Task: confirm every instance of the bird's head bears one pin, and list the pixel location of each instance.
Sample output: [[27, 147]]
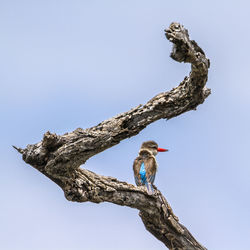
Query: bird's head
[[151, 147]]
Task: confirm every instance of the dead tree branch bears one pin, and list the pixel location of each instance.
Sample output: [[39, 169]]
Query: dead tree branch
[[59, 157]]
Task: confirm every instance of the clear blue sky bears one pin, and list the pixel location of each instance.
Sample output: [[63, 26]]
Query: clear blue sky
[[68, 64]]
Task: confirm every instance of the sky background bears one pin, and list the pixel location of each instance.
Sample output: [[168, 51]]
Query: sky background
[[69, 64]]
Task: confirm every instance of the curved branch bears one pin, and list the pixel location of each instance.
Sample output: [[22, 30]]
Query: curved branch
[[59, 157], [155, 211]]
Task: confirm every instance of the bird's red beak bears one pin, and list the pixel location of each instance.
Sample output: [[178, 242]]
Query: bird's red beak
[[162, 149]]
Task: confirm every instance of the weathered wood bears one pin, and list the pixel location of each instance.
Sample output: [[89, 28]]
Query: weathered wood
[[59, 157]]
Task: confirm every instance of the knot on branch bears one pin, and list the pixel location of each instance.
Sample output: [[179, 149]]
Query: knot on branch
[[51, 141]]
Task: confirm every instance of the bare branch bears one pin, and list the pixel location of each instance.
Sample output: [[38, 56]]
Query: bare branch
[[59, 157], [155, 211]]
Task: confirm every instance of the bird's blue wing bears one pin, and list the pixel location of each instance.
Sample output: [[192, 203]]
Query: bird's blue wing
[[150, 166], [142, 173]]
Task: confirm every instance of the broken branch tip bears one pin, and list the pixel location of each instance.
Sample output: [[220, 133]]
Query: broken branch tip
[[18, 149]]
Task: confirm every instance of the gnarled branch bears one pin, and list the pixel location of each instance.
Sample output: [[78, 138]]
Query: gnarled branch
[[59, 157]]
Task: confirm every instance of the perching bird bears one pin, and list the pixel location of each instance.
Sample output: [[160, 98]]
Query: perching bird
[[145, 165]]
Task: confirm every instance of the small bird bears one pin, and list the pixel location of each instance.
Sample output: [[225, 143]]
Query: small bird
[[145, 165]]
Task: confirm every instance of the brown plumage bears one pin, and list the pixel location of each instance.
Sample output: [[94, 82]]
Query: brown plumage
[[145, 165]]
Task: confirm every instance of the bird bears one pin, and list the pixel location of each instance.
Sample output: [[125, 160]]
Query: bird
[[145, 165]]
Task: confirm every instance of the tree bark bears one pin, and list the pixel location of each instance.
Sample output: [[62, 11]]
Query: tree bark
[[60, 157]]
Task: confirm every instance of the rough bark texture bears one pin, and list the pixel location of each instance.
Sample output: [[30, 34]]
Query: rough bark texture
[[59, 157]]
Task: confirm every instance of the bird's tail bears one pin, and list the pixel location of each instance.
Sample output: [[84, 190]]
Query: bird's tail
[[149, 187]]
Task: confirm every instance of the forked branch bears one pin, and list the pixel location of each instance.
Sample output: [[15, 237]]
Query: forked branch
[[60, 157]]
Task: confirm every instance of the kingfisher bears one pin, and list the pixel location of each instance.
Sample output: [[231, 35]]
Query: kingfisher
[[145, 165]]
